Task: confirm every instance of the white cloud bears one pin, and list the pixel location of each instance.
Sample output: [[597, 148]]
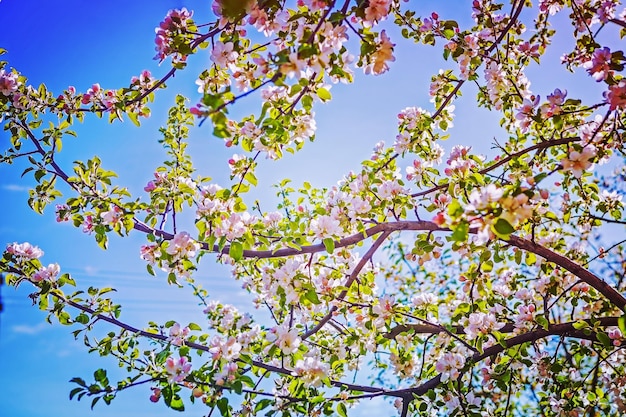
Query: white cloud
[[91, 270], [14, 187], [30, 330]]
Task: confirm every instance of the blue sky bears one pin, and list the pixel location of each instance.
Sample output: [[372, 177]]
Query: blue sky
[[74, 42]]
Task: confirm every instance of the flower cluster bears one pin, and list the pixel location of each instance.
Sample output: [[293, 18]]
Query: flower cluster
[[176, 22], [285, 338], [8, 82], [24, 251], [578, 162], [48, 273], [177, 334], [449, 366], [177, 369]]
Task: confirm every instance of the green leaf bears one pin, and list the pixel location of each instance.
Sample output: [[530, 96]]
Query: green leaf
[[580, 324], [503, 227], [542, 321], [251, 178], [133, 118], [222, 405], [621, 323], [604, 339], [100, 375], [177, 403], [75, 391], [66, 279], [311, 295], [329, 244], [236, 251], [460, 232], [324, 94], [94, 401], [264, 403], [82, 318]]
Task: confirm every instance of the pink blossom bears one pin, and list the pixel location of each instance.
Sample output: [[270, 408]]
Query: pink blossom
[[223, 54], [175, 22], [313, 5], [311, 370], [449, 366], [577, 162], [325, 226], [439, 219], [112, 216], [272, 219], [88, 224], [497, 83], [402, 143], [389, 189], [183, 246], [525, 316], [285, 338], [410, 117], [424, 299], [526, 112], [460, 161], [178, 369], [606, 11], [210, 190], [384, 53], [481, 323], [482, 198], [228, 349], [550, 6], [599, 64], [63, 213], [145, 79], [384, 308], [526, 49], [150, 253], [156, 394], [615, 334], [177, 334], [428, 24], [8, 82], [377, 10], [616, 96], [150, 186], [231, 227], [442, 200], [295, 67], [357, 206], [24, 251], [415, 172], [555, 101], [48, 273], [227, 374], [269, 26], [304, 127]]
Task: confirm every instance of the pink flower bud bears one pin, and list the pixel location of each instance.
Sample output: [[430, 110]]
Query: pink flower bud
[[439, 219], [149, 187]]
